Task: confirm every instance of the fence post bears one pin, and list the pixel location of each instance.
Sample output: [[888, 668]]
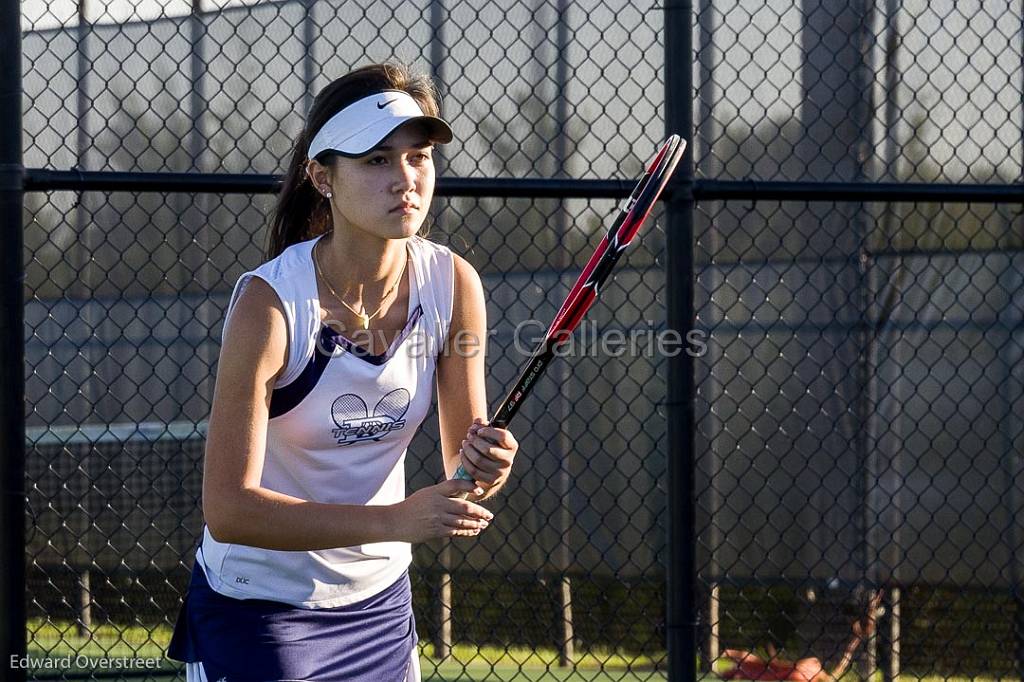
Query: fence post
[[1017, 462], [706, 132], [308, 66], [681, 609], [84, 624], [564, 623], [197, 73], [889, 629], [442, 636], [12, 350]]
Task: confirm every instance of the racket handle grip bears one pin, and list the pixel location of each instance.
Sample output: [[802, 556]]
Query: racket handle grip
[[462, 475]]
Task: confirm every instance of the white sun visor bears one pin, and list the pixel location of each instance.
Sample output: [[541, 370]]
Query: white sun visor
[[363, 125]]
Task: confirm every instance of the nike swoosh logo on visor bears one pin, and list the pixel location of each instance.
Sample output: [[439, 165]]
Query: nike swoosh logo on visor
[[381, 105]]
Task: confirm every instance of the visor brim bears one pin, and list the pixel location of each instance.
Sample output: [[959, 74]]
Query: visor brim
[[374, 136]]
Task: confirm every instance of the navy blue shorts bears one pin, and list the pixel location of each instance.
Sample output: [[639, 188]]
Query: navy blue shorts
[[254, 640]]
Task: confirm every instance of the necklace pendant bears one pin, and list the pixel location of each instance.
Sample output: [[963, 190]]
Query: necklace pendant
[[365, 319]]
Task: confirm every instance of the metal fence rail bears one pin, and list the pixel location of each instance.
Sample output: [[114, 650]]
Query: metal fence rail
[[845, 237]]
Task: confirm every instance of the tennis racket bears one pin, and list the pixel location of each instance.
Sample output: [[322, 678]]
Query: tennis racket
[[587, 287]]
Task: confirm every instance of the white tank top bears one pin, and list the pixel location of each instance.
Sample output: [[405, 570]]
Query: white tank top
[[340, 423]]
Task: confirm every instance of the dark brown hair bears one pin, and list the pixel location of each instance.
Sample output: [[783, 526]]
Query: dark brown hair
[[303, 213]]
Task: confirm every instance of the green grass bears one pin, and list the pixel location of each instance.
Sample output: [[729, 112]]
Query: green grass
[[54, 639], [468, 663]]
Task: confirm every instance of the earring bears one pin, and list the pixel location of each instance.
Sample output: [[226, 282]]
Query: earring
[[327, 193]]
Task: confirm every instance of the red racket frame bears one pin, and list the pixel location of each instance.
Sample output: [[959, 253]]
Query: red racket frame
[[587, 287]]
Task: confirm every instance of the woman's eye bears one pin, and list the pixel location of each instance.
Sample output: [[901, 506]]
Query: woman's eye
[[376, 160]]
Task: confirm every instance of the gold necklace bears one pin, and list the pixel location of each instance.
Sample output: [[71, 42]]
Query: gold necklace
[[364, 318]]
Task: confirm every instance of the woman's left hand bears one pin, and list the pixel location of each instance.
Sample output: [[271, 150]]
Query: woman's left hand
[[487, 454]]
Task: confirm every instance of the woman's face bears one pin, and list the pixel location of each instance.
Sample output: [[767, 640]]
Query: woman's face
[[387, 192]]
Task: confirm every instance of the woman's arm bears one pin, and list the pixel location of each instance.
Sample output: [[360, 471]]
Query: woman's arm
[[485, 452], [237, 509]]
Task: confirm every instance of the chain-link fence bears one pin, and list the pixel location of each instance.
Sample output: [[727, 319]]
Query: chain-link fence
[[858, 379], [859, 414]]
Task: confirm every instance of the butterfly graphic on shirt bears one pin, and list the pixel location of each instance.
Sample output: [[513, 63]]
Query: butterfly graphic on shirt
[[355, 423]]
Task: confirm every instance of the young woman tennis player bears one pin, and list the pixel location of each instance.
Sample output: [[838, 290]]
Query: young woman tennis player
[[330, 353]]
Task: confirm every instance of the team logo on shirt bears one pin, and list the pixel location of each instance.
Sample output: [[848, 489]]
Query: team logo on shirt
[[355, 423]]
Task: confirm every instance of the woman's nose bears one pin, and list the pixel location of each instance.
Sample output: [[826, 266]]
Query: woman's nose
[[406, 177]]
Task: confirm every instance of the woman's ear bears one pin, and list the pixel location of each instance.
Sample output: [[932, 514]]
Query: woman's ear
[[319, 175]]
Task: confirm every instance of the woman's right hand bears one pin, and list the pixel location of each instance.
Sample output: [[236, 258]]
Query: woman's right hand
[[436, 512]]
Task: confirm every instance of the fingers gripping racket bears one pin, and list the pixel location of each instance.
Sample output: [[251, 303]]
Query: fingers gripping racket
[[587, 288]]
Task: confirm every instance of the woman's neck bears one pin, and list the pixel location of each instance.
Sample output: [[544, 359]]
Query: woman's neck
[[356, 262]]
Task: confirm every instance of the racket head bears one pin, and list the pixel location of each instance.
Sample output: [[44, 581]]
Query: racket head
[[632, 214], [583, 294], [650, 187], [649, 184]]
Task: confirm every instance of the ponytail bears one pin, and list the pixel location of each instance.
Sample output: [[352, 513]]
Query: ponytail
[[302, 212]]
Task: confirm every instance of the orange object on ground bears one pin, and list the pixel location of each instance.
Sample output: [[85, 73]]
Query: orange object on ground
[[750, 666]]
